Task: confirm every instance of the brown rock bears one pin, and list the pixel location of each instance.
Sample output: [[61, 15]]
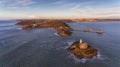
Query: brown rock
[[64, 33], [100, 31], [86, 51], [62, 28]]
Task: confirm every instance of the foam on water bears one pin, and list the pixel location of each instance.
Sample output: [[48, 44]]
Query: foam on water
[[77, 60], [56, 34]]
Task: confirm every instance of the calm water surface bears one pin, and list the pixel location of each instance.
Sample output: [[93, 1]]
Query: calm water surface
[[42, 48]]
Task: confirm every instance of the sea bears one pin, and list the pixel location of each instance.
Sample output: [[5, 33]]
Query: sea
[[43, 48]]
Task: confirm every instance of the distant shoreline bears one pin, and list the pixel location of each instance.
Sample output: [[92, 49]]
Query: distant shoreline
[[74, 20], [86, 20]]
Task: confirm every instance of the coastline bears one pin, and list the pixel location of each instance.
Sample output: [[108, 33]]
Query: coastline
[[87, 20]]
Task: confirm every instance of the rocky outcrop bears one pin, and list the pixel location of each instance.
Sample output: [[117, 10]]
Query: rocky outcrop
[[62, 28], [100, 31], [82, 50], [64, 33]]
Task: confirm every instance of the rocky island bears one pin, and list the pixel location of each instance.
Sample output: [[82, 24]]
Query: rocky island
[[62, 28], [82, 50], [79, 49]]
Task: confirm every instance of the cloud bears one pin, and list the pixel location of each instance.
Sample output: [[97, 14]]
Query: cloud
[[78, 6], [32, 16], [76, 9], [62, 8], [24, 2], [72, 5], [58, 2], [88, 9], [16, 3], [102, 12], [107, 12]]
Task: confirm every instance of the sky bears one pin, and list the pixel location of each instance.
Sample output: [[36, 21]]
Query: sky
[[17, 9]]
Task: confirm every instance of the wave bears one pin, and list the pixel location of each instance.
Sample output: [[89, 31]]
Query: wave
[[77, 60], [9, 27], [6, 24]]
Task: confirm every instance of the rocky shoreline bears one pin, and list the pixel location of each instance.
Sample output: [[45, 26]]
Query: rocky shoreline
[[79, 49], [82, 50], [62, 28], [59, 25]]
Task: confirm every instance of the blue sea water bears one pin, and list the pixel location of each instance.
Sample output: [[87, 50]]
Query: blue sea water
[[42, 48]]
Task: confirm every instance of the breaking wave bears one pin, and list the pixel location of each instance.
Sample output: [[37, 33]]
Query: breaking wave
[[77, 60]]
